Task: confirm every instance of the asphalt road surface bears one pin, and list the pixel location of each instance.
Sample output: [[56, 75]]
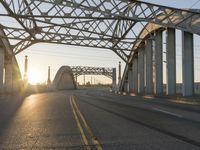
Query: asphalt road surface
[[97, 119]]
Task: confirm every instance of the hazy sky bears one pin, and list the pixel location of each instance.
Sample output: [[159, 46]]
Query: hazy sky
[[43, 55]]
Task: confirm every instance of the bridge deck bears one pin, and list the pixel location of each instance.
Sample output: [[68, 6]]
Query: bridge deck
[[82, 120]]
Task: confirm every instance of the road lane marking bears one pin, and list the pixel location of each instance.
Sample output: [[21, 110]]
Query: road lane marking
[[83, 136], [167, 112], [94, 139]]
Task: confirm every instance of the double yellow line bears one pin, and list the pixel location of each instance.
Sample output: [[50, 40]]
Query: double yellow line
[[82, 124]]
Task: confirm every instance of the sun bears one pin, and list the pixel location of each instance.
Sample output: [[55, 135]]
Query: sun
[[34, 76]]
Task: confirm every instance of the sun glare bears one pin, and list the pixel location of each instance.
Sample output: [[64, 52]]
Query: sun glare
[[34, 76]]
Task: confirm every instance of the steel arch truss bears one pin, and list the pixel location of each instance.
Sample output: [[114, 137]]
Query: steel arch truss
[[84, 70], [108, 24]]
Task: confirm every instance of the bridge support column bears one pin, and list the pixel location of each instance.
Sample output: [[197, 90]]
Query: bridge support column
[[130, 80], [135, 75], [171, 62], [141, 70], [8, 75], [188, 63], [114, 81], [2, 56], [158, 88], [149, 68], [125, 86]]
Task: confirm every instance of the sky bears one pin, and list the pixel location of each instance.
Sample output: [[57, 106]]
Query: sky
[[42, 55]]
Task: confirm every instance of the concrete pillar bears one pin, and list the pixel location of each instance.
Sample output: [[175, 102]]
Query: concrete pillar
[[126, 86], [130, 80], [17, 83], [171, 62], [158, 87], [2, 56], [114, 81], [141, 70], [119, 76], [135, 75], [8, 75], [49, 76], [26, 70], [188, 63], [149, 67]]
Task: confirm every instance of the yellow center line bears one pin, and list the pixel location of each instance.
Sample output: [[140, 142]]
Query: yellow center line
[[83, 136], [94, 140]]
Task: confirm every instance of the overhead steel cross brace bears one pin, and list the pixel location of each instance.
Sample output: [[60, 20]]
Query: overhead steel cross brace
[[85, 70], [107, 24]]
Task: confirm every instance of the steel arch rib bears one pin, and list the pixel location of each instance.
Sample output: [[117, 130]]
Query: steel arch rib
[[86, 70], [93, 23]]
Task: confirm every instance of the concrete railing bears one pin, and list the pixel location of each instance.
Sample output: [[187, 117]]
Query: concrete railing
[[179, 88]]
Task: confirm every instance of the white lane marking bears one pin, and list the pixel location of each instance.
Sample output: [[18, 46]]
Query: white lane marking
[[167, 112]]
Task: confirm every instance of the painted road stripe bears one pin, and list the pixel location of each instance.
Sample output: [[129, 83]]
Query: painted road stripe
[[83, 136], [94, 140], [167, 112]]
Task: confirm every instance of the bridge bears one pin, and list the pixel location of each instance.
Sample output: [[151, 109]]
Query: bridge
[[66, 76], [128, 28], [145, 118], [85, 70], [64, 79]]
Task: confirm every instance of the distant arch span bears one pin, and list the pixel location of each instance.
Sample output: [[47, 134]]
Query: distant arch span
[[64, 79]]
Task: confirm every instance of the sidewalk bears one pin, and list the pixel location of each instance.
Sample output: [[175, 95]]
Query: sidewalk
[[181, 99], [192, 100]]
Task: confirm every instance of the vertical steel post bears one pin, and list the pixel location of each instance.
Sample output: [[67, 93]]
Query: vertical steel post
[[26, 70]]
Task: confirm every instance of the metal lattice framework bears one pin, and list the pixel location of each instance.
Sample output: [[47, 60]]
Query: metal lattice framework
[[108, 24], [84, 70]]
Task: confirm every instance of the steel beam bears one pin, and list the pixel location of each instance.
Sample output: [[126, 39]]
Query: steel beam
[[80, 23], [85, 70]]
